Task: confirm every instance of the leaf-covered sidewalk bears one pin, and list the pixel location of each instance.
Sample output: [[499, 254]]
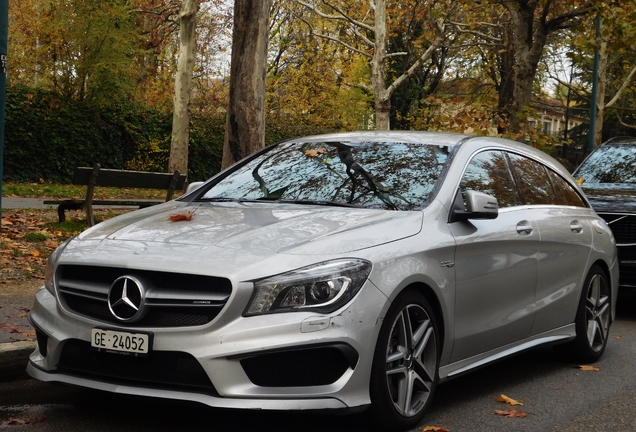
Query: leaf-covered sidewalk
[[27, 238]]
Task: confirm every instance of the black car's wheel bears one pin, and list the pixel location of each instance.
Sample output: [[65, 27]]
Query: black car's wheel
[[405, 363], [593, 318]]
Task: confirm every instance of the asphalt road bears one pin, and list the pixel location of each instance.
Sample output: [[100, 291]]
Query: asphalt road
[[557, 396]]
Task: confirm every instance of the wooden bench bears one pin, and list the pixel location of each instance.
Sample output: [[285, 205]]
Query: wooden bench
[[96, 176]]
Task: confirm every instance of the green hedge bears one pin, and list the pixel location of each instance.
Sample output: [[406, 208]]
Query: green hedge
[[46, 137]]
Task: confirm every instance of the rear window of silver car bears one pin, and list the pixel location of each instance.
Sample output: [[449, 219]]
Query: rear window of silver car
[[395, 176]]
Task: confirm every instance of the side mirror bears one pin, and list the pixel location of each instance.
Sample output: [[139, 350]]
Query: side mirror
[[471, 204], [193, 186]]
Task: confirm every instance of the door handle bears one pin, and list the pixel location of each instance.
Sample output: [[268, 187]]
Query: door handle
[[576, 227], [524, 228]]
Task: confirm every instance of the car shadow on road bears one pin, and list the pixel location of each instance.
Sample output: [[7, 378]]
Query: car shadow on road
[[150, 414], [626, 304]]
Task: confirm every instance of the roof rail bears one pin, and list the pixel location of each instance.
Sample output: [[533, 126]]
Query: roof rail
[[619, 138]]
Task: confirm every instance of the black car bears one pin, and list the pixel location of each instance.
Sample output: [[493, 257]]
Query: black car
[[608, 177]]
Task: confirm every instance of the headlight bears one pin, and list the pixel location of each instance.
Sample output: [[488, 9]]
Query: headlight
[[322, 287], [50, 266]]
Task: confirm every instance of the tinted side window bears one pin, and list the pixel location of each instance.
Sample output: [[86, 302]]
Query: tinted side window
[[533, 181], [566, 194], [488, 172]]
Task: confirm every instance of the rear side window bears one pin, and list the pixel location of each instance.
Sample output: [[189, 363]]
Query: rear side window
[[566, 194], [533, 181], [488, 172]]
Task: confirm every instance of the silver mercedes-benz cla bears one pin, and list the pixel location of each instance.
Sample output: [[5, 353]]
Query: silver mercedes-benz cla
[[339, 271]]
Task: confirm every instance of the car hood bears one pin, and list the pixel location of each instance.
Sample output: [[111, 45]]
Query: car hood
[[611, 197], [223, 236]]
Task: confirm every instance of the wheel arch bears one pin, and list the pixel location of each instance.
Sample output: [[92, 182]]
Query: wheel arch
[[612, 278], [603, 265]]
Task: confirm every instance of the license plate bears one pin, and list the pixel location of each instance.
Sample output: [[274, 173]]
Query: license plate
[[124, 342]]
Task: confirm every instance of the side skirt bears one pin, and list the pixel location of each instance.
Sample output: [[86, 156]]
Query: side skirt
[[561, 334]]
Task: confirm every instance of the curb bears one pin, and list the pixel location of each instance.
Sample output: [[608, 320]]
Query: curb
[[14, 357]]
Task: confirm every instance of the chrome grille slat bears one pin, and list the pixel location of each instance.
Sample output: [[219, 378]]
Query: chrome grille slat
[[623, 227], [91, 287], [86, 294]]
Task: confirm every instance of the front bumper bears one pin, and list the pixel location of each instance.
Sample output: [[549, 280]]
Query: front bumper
[[218, 364]]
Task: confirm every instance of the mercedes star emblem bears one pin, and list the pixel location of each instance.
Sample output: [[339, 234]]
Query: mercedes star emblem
[[126, 299]]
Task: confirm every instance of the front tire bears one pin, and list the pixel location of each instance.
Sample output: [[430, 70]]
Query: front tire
[[593, 318], [405, 364]]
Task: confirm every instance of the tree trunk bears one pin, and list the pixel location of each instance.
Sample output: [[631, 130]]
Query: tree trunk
[[529, 40], [245, 124], [505, 68], [183, 82], [378, 70], [600, 94]]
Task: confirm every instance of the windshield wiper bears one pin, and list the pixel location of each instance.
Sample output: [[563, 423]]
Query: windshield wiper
[[319, 202], [284, 201], [228, 199]]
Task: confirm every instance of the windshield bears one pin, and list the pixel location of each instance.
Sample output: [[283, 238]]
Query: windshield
[[396, 176], [610, 164]]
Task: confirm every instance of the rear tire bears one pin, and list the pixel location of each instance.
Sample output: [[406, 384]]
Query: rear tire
[[405, 363], [593, 319]]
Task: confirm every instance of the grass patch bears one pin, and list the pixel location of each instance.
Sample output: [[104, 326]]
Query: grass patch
[[35, 237], [58, 191], [69, 227], [73, 226]]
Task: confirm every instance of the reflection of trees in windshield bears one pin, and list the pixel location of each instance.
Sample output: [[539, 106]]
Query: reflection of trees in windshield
[[374, 175], [610, 164]]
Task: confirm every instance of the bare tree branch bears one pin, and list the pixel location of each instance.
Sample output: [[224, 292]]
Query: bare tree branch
[[342, 17], [415, 66], [620, 91], [334, 39], [620, 119], [459, 28]]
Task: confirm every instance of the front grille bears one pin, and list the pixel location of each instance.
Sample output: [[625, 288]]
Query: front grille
[[310, 366], [172, 299], [160, 369], [623, 227], [627, 265]]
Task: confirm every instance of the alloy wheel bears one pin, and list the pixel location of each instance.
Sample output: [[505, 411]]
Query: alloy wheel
[[597, 312], [411, 360]]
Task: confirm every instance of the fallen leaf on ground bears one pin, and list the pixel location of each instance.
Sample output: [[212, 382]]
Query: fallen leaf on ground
[[617, 337], [435, 429], [589, 368], [505, 399], [512, 413], [11, 328], [22, 315], [19, 421], [26, 339]]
